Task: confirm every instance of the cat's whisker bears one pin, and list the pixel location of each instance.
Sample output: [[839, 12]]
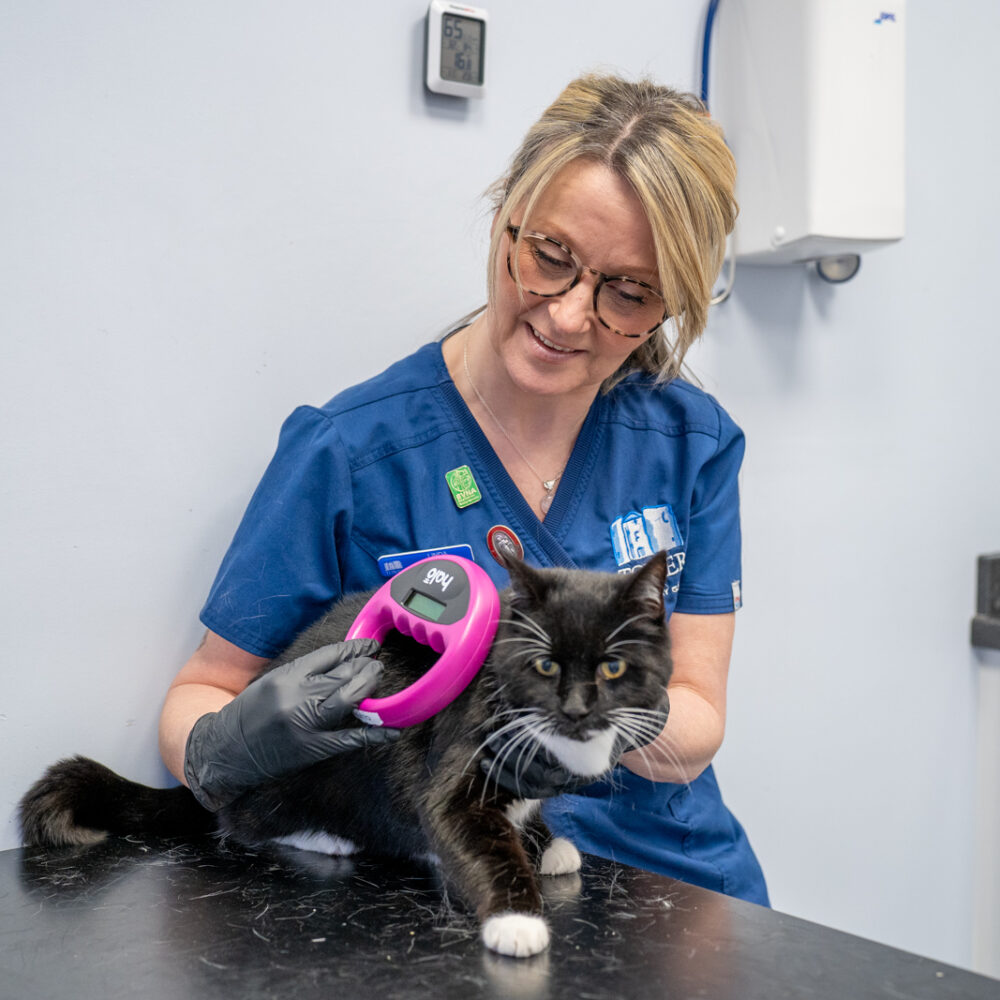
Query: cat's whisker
[[660, 746], [499, 714], [528, 623], [638, 729], [496, 690], [533, 646], [640, 739], [528, 732], [521, 742], [675, 763], [645, 727], [472, 769], [653, 723], [641, 751], [500, 708], [500, 759], [526, 718], [645, 716], [638, 733], [637, 710], [531, 748], [475, 755], [543, 728], [611, 777], [667, 748], [509, 709], [625, 624], [628, 642]]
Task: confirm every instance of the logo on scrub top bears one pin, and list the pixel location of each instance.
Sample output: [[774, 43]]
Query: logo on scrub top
[[636, 536]]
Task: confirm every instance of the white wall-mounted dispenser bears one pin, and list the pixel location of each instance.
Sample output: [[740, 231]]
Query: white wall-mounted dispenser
[[810, 95]]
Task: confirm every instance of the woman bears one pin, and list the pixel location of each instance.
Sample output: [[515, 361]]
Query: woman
[[554, 420]]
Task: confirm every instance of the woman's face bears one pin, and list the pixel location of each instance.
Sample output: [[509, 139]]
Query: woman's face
[[558, 345]]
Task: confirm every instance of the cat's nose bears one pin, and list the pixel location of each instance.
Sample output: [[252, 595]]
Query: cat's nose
[[576, 705]]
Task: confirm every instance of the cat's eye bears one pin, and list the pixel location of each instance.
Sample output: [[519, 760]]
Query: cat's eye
[[545, 666], [611, 670]]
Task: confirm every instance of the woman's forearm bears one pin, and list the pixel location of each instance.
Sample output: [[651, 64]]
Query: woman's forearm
[[184, 705], [216, 673], [686, 746]]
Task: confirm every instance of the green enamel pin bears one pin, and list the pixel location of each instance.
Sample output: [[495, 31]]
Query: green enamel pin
[[464, 490]]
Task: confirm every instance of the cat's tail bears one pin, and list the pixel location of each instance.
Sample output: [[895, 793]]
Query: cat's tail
[[78, 801]]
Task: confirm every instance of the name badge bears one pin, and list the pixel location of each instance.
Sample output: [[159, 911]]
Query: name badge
[[390, 565]]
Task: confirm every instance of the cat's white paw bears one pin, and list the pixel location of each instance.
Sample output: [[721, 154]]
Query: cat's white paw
[[517, 934], [560, 858], [320, 843]]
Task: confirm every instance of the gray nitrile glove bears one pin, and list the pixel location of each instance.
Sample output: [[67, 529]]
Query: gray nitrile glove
[[542, 778], [284, 721]]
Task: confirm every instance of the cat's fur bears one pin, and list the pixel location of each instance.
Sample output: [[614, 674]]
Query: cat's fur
[[426, 795]]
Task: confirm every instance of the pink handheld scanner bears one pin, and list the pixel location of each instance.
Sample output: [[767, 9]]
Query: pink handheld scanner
[[445, 602]]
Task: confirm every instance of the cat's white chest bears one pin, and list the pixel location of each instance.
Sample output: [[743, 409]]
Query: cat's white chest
[[588, 758]]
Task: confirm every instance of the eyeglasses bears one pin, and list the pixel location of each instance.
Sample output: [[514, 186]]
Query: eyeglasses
[[546, 267]]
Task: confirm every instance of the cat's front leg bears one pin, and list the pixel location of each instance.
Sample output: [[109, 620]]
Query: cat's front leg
[[482, 855], [551, 855]]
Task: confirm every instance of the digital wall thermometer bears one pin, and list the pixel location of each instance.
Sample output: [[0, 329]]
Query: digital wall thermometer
[[447, 603], [456, 49]]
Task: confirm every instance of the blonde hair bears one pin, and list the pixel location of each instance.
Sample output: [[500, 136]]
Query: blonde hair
[[677, 162]]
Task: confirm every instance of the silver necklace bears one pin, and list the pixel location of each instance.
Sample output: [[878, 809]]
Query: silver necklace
[[548, 485]]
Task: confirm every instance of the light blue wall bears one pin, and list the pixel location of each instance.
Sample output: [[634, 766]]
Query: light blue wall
[[196, 200], [872, 481]]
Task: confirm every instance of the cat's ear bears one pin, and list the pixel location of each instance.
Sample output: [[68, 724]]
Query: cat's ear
[[645, 585], [527, 583]]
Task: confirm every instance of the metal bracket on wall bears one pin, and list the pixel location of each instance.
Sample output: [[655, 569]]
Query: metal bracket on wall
[[986, 623]]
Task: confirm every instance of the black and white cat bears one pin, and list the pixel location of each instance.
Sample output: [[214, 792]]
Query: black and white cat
[[579, 666]]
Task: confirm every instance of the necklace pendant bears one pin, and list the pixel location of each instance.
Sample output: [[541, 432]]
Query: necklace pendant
[[547, 485], [546, 503]]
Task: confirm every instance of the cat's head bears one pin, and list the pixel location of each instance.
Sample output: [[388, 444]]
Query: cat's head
[[582, 660]]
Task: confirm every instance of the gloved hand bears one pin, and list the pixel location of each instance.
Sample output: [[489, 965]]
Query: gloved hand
[[544, 777], [284, 721]]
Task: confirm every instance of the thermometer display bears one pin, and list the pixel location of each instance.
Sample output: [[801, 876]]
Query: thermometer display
[[445, 602], [456, 49], [462, 49]]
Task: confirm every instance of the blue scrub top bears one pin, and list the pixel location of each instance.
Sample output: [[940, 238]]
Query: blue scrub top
[[363, 477]]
